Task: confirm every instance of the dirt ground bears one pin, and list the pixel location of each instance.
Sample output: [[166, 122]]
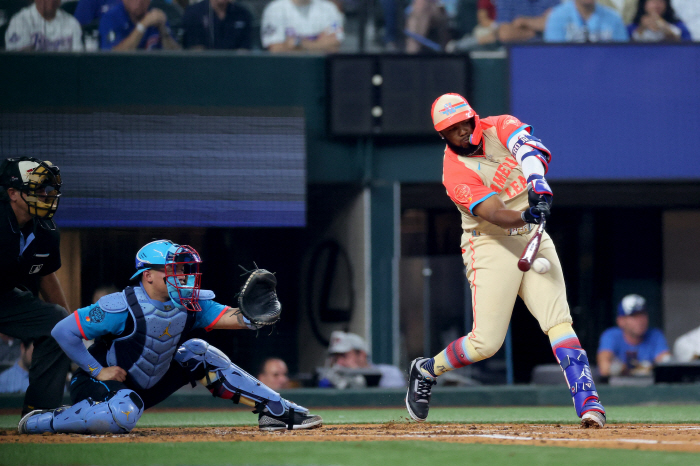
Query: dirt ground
[[628, 436]]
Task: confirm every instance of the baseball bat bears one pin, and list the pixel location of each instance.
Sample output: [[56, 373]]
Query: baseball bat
[[531, 249]]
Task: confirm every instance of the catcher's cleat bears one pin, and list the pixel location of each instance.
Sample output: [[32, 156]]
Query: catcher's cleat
[[593, 416], [37, 427], [290, 420], [420, 386]]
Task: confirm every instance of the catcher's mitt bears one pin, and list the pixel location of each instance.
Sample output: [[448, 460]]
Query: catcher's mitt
[[257, 299]]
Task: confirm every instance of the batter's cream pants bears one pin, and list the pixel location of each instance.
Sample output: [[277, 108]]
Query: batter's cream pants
[[495, 280]]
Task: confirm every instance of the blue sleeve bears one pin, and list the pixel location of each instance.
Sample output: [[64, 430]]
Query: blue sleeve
[[555, 27], [70, 338], [620, 31], [110, 34], [94, 322], [685, 33], [608, 340], [86, 11], [660, 344], [209, 315]]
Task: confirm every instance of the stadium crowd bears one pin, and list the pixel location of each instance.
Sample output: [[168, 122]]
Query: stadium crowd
[[413, 26]]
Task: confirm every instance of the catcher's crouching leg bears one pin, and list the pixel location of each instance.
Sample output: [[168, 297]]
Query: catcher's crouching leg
[[117, 415], [226, 380]]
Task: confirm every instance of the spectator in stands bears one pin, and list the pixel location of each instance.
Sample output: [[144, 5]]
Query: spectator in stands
[[302, 25], [427, 26], [9, 350], [688, 11], [521, 21], [584, 21], [631, 348], [656, 21], [274, 374], [217, 24], [16, 378], [625, 8], [44, 27], [132, 25], [687, 346], [483, 34], [91, 11], [349, 351]]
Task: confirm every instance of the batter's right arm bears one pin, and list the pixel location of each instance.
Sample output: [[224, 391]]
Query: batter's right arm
[[493, 210]]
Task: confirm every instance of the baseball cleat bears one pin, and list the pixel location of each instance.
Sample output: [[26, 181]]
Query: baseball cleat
[[290, 420], [419, 389], [594, 419], [37, 425]]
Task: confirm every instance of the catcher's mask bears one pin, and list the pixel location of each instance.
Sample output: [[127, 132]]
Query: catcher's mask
[[39, 183], [182, 276], [449, 109]]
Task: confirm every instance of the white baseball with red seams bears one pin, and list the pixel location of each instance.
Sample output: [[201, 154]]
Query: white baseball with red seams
[[541, 265]]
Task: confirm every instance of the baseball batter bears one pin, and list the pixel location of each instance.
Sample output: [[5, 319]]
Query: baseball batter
[[141, 353], [493, 170]]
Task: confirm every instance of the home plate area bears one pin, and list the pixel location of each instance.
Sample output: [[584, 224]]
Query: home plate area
[[668, 437]]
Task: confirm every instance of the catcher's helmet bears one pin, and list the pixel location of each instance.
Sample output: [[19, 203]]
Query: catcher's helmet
[[449, 109], [38, 181], [181, 267]]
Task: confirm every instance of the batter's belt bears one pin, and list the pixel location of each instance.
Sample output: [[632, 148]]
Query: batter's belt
[[527, 228]]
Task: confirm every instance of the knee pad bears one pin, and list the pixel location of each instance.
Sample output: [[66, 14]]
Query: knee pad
[[118, 415], [577, 372], [227, 380]]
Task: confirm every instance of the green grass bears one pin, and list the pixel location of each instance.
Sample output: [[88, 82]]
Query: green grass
[[659, 414], [330, 453]]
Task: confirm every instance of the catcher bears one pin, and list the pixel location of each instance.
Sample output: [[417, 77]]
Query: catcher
[[141, 353]]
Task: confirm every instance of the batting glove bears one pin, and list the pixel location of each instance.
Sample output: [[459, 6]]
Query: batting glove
[[538, 190], [536, 214]]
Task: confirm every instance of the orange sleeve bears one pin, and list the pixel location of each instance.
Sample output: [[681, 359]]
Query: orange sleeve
[[464, 186], [506, 125]]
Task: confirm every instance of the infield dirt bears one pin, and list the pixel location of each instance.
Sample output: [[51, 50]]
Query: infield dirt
[[666, 437]]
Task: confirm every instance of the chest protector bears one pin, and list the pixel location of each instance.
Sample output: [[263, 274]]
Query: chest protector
[[147, 350]]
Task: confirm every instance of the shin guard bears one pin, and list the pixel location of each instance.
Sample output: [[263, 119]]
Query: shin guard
[[228, 381], [118, 415], [577, 372]]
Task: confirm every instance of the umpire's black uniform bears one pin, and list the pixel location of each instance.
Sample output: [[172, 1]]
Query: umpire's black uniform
[[26, 255]]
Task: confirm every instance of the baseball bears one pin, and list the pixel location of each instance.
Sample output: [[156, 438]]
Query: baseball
[[541, 265]]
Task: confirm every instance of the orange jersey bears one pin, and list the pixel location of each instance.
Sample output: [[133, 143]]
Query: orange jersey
[[471, 180]]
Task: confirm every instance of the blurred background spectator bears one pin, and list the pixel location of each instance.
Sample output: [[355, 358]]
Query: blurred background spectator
[[656, 21], [584, 21], [350, 366], [9, 351], [688, 11], [217, 24], [44, 27], [521, 21], [484, 32], [273, 373], [90, 11], [132, 25], [626, 8], [687, 346], [302, 25], [631, 348], [16, 378], [427, 26]]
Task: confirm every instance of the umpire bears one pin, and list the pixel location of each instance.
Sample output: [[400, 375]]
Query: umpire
[[29, 258]]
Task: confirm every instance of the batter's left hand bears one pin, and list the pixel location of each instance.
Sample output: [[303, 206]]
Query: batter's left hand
[[538, 190], [536, 214]]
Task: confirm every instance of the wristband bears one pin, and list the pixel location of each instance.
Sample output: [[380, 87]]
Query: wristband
[[140, 27]]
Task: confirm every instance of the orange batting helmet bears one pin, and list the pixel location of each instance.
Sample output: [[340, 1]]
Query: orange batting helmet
[[449, 109]]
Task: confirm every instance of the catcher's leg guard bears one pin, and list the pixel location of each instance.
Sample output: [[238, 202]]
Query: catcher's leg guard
[[577, 372], [228, 381], [118, 415]]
